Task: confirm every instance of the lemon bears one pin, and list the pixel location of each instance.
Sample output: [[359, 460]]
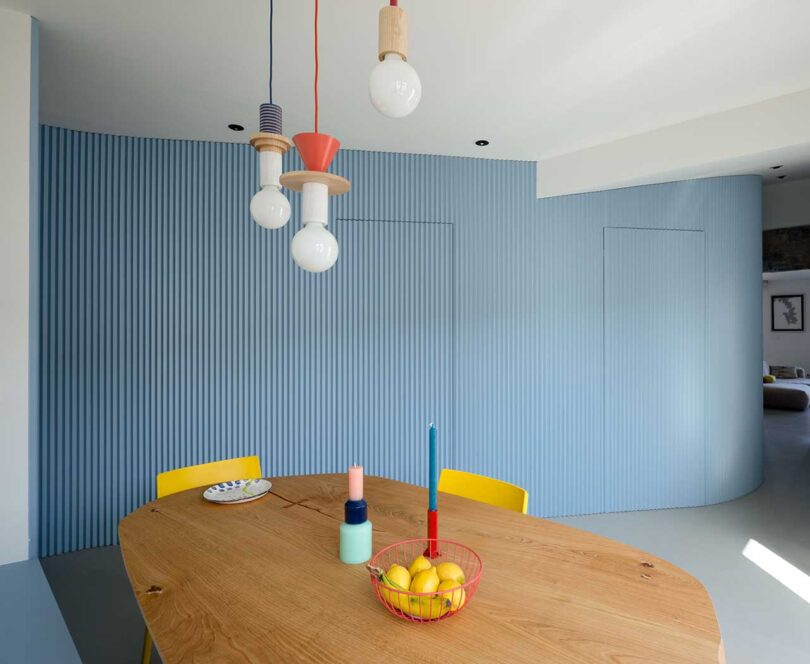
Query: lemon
[[418, 565], [425, 581], [450, 572], [399, 575], [455, 595]]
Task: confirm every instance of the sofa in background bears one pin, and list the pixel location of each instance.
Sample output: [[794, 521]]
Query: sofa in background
[[789, 391]]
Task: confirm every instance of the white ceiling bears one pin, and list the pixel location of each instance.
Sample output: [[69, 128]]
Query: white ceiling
[[536, 77]]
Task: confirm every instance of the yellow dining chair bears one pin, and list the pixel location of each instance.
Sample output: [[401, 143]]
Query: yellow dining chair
[[204, 474], [484, 489]]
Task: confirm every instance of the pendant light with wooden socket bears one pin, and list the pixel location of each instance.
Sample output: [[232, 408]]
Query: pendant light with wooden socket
[[314, 248], [394, 86]]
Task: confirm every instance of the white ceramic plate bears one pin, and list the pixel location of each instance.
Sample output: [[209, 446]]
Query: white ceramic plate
[[237, 491]]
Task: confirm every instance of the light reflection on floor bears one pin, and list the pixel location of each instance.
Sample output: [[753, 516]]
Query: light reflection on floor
[[780, 569]]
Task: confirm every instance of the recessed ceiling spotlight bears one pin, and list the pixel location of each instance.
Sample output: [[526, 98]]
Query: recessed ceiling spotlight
[[775, 167], [236, 127], [481, 142], [781, 177]]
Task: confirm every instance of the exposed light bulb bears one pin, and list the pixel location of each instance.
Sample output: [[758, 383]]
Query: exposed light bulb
[[314, 248], [394, 87], [269, 207]]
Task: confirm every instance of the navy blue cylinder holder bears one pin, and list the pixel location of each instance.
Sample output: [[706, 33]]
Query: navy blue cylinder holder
[[270, 118], [356, 511]]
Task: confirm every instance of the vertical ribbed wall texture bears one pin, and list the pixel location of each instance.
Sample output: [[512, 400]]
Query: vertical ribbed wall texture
[[176, 331], [654, 368]]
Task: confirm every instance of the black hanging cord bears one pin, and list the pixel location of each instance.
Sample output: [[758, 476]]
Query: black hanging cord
[[270, 83], [270, 113]]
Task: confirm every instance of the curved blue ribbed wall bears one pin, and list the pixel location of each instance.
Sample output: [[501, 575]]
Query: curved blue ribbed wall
[[175, 331]]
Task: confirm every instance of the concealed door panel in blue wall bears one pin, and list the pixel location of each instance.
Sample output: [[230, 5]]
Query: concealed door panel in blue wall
[[530, 353], [654, 363]]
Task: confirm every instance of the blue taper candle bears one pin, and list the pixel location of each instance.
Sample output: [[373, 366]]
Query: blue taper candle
[[434, 470]]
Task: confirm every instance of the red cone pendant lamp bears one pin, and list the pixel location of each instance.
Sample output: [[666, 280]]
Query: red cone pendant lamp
[[317, 150], [314, 248]]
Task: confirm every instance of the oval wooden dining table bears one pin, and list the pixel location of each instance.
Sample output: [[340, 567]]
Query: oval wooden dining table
[[261, 582]]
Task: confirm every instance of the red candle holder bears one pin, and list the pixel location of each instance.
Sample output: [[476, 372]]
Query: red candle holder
[[432, 551]]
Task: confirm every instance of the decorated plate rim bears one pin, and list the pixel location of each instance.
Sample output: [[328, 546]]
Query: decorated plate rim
[[214, 493]]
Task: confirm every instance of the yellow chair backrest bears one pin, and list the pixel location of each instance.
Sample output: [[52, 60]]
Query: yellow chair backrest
[[243, 468], [484, 489]]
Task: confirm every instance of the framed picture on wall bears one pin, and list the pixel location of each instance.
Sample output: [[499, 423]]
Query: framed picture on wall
[[787, 313]]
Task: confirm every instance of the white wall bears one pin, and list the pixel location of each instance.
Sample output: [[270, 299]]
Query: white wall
[[786, 204], [18, 106], [792, 348]]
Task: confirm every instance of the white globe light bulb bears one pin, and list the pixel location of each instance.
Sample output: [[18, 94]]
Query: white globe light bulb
[[269, 207], [394, 87], [314, 248]]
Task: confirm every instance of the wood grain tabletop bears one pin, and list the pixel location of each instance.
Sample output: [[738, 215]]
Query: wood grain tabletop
[[261, 582]]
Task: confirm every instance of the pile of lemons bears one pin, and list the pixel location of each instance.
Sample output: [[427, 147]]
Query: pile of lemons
[[443, 581]]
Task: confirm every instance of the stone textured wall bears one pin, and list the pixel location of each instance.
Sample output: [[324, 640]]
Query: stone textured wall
[[786, 249]]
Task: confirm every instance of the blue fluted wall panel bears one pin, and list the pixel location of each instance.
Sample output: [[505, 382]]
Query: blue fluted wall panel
[[655, 322], [175, 331], [733, 273]]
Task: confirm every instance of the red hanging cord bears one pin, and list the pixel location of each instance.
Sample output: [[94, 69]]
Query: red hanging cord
[[394, 3], [316, 66]]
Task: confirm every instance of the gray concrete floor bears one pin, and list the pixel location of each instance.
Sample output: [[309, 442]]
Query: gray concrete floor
[[93, 592], [761, 620]]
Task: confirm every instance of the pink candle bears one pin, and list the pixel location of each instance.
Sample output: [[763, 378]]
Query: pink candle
[[355, 482]]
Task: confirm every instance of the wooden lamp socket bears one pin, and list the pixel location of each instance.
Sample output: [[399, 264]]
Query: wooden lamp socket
[[393, 32], [295, 180], [263, 142]]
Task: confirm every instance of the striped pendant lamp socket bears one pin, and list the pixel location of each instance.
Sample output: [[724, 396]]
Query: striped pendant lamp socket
[[270, 118]]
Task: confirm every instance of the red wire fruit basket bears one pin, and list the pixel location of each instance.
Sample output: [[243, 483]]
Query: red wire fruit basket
[[432, 606]]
